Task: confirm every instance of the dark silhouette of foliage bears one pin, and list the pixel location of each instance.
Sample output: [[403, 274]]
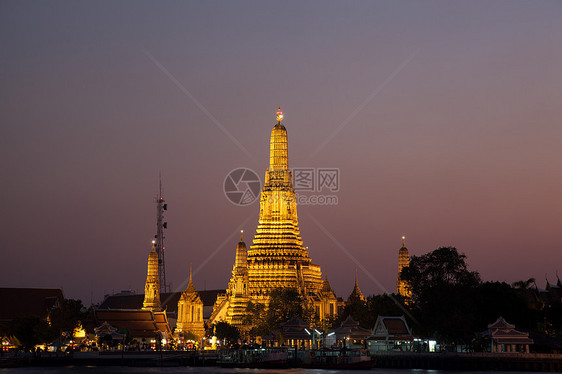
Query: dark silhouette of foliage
[[255, 318], [358, 310], [224, 330], [386, 305], [67, 317], [366, 312], [552, 319], [443, 294], [30, 331], [496, 299], [284, 304], [445, 267]]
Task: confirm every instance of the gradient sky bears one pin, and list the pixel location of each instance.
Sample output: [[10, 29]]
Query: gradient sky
[[444, 119]]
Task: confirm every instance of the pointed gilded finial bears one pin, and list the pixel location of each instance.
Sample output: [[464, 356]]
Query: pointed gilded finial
[[279, 115], [190, 272], [403, 241], [356, 277], [241, 235], [154, 245]]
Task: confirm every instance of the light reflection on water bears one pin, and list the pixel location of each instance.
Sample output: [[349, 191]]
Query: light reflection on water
[[217, 370]]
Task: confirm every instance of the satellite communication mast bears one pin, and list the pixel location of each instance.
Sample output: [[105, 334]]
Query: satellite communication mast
[[161, 206]]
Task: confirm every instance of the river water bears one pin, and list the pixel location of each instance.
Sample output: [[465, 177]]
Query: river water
[[217, 370]]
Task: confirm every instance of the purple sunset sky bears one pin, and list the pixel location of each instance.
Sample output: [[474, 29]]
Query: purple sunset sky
[[444, 119]]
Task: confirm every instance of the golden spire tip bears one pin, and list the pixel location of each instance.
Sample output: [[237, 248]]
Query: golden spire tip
[[279, 115]]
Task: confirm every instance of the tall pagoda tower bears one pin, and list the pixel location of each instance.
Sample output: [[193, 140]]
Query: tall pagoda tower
[[277, 257], [402, 287], [152, 286]]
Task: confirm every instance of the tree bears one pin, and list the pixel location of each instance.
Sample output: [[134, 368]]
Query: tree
[[224, 330], [67, 317], [522, 284], [255, 319], [366, 312], [499, 299], [386, 305], [443, 294], [284, 304], [358, 310], [30, 331], [444, 267]]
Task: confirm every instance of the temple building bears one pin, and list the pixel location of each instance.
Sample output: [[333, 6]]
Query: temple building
[[190, 313], [277, 257], [506, 338], [391, 333], [402, 287], [326, 303], [152, 286]]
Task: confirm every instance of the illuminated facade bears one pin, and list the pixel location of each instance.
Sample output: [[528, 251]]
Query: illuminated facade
[[326, 304], [402, 287], [190, 312], [152, 286], [277, 257]]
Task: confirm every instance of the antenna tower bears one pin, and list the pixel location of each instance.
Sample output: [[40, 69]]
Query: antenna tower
[[161, 206]]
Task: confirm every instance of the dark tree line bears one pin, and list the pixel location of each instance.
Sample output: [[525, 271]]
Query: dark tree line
[[284, 304], [62, 320], [451, 303]]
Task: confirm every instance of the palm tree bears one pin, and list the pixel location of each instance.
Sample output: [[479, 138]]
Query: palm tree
[[523, 285]]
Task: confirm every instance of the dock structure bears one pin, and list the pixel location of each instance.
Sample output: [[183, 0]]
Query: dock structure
[[470, 361]]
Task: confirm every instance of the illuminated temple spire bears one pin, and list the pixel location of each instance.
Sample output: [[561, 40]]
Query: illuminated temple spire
[[241, 260], [402, 287], [190, 287], [152, 287], [190, 311], [277, 257], [356, 294]]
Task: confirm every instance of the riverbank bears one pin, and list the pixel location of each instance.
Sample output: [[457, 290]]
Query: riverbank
[[113, 358], [395, 360], [470, 361]]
